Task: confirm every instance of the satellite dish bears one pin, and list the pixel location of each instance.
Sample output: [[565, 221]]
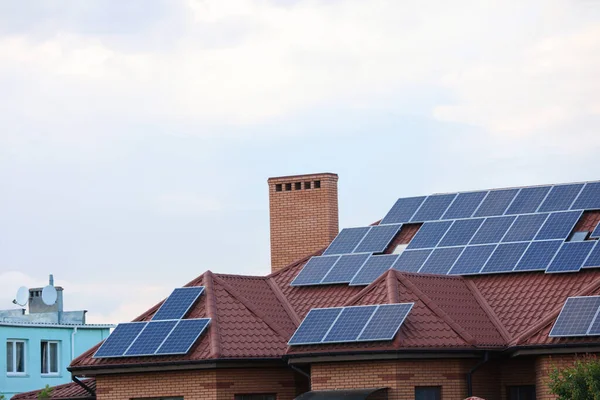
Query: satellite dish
[[22, 296], [49, 295]]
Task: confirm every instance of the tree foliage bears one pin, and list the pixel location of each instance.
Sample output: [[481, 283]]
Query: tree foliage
[[45, 393], [579, 382]]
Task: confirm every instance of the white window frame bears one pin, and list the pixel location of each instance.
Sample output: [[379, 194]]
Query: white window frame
[[48, 363], [14, 357]]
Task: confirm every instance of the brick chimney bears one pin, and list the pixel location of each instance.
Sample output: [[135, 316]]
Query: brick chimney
[[303, 214]]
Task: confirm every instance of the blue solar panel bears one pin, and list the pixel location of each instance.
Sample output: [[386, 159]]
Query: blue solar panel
[[346, 241], [593, 259], [178, 303], [595, 326], [505, 257], [441, 260], [528, 200], [558, 225], [150, 339], [386, 322], [344, 270], [570, 257], [315, 270], [576, 316], [183, 336], [496, 202], [120, 339], [461, 232], [433, 207], [538, 255], [560, 197], [596, 232], [403, 210], [429, 235], [378, 239], [492, 230], [373, 268], [411, 260], [472, 260], [315, 325], [589, 198], [525, 228], [349, 324], [464, 205]]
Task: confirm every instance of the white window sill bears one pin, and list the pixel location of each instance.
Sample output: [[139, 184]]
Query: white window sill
[[56, 375], [17, 375]]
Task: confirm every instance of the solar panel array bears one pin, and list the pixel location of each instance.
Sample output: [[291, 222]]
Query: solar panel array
[[351, 324], [167, 333], [578, 317]]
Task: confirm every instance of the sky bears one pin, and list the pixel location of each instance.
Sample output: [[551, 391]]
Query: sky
[[136, 138]]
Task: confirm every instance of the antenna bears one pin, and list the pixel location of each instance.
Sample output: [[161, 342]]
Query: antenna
[[22, 296]]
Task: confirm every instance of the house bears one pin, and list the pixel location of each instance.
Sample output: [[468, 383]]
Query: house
[[37, 347], [448, 296]]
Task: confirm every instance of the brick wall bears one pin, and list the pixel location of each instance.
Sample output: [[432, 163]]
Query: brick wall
[[545, 364], [221, 384], [303, 216]]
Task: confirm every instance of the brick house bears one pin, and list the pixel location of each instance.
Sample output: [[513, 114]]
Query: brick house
[[480, 333]]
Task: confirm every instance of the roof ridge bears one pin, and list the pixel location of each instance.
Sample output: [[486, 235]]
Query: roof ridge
[[553, 314], [365, 290], [392, 287], [248, 304], [284, 301], [211, 312], [466, 336], [488, 310]]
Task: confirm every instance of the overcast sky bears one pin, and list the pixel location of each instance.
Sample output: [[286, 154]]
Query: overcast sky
[[136, 137]]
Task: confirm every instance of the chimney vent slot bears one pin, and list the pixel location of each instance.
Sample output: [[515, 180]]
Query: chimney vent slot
[[298, 186], [288, 187], [278, 187], [307, 185], [317, 184]]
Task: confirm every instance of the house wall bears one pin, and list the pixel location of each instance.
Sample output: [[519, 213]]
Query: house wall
[[546, 364], [33, 379]]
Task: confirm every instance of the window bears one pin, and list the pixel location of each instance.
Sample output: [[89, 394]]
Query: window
[[259, 396], [49, 358], [428, 393], [15, 357], [521, 392]]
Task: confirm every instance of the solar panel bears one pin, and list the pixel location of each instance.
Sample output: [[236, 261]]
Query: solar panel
[[178, 303], [505, 257], [472, 260], [461, 232], [120, 339], [560, 197], [183, 336], [593, 259], [386, 322], [373, 268], [525, 228], [441, 260], [464, 205], [378, 239], [429, 235], [558, 225], [315, 270], [346, 241], [402, 210], [570, 257], [589, 198], [315, 326], [576, 316], [528, 200], [433, 207], [538, 255], [496, 202], [411, 260], [344, 270], [150, 339], [596, 232], [594, 327], [492, 230], [349, 324]]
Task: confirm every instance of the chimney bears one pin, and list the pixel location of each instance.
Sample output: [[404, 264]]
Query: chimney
[[304, 216]]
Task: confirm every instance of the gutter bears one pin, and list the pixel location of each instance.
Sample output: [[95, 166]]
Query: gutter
[[486, 357], [86, 388], [73, 343]]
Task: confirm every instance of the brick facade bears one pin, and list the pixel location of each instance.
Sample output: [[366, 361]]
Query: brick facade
[[303, 215]]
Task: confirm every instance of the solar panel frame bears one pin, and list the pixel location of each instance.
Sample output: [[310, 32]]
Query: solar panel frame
[[192, 328], [505, 257], [525, 227], [347, 240], [398, 312], [464, 205], [588, 198], [593, 259], [461, 232], [441, 260], [403, 210], [325, 317], [346, 267], [179, 303], [373, 268], [558, 225], [492, 230], [349, 324], [496, 202], [570, 257], [433, 207], [594, 329], [411, 260], [569, 322], [538, 255], [151, 338], [315, 270], [378, 238], [130, 329], [472, 259], [429, 235], [528, 200], [596, 232], [561, 197]]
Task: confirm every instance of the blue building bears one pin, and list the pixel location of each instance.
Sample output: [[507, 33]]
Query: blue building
[[37, 347]]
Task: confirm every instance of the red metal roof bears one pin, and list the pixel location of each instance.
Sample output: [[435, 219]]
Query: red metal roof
[[62, 392]]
